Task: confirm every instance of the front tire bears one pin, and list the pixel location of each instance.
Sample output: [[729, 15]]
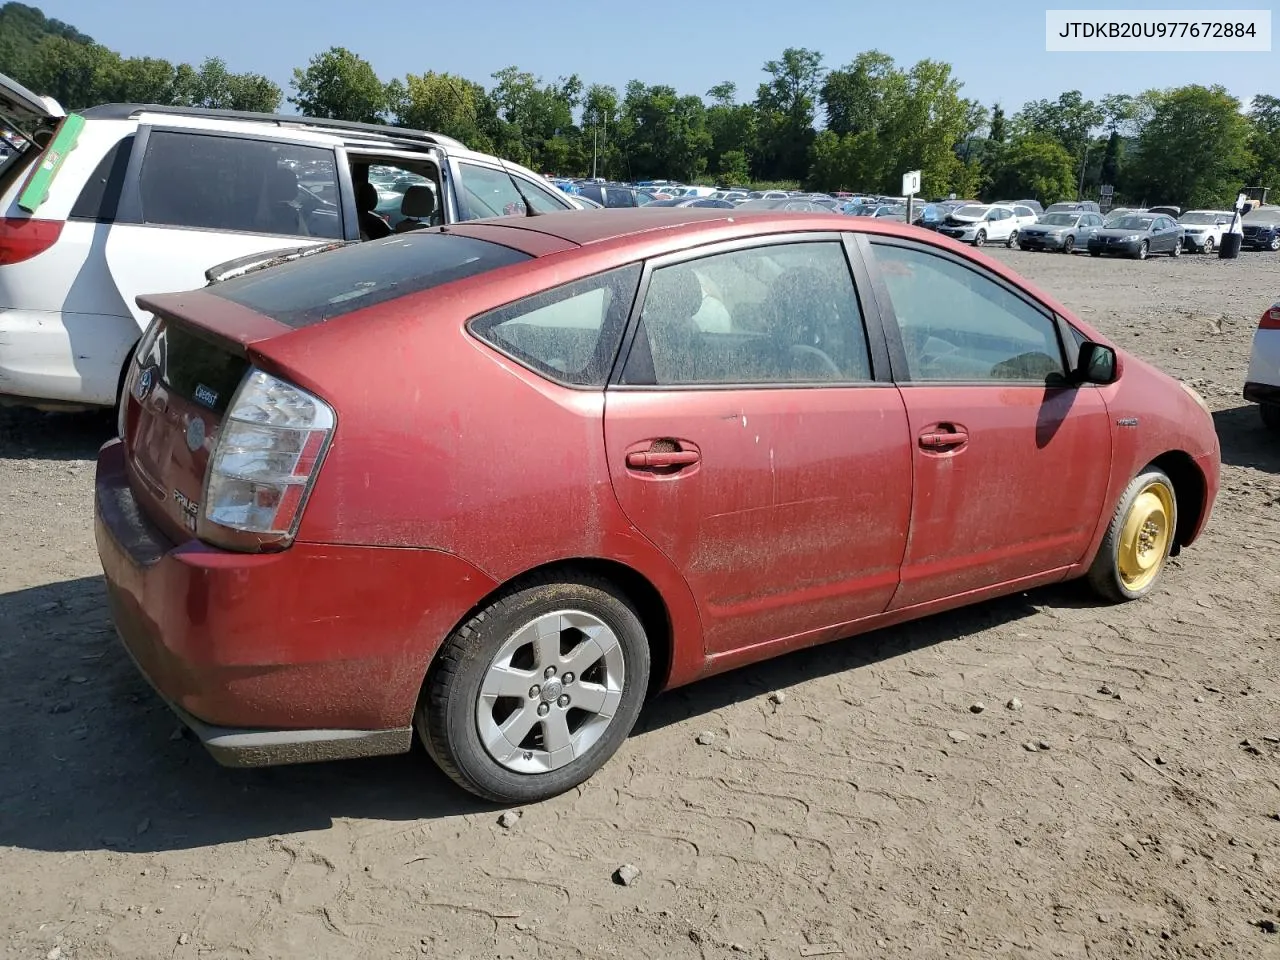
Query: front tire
[[980, 238], [1135, 550], [1209, 245], [1143, 249], [1068, 244], [533, 694]]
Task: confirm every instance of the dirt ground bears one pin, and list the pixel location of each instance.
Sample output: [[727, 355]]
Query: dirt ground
[[844, 821]]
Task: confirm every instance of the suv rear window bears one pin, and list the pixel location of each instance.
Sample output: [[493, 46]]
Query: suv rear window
[[328, 285], [213, 182]]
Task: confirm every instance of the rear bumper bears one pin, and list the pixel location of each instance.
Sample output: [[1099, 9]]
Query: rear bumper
[[314, 653], [61, 360], [1262, 393]]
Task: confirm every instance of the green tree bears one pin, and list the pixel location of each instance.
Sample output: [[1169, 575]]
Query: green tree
[[732, 126], [732, 168], [785, 105], [1069, 120], [1194, 151], [664, 134], [22, 28], [75, 74], [1035, 167], [1264, 141], [446, 104], [536, 115], [339, 85], [215, 87], [997, 133]]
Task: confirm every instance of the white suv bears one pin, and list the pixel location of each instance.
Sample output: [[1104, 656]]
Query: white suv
[[121, 200], [1262, 383], [981, 223]]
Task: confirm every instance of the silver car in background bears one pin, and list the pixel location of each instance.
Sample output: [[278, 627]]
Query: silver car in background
[[1060, 231]]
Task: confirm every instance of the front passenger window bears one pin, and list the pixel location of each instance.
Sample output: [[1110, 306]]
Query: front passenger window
[[959, 325]]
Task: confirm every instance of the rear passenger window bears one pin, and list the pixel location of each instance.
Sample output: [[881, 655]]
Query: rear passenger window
[[100, 196], [252, 186], [569, 334], [778, 314]]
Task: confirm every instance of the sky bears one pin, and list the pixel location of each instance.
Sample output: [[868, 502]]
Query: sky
[[996, 47]]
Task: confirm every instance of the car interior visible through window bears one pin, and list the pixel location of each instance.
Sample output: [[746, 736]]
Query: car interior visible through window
[[777, 314], [958, 325]]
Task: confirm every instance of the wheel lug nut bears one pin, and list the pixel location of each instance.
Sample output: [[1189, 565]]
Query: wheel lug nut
[[534, 692], [567, 678], [564, 700], [543, 709], [549, 672]]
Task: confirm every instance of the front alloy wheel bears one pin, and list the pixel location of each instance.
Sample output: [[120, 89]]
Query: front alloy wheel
[[1136, 547], [1013, 238], [980, 238], [532, 695], [1068, 244], [1209, 245], [1143, 248]]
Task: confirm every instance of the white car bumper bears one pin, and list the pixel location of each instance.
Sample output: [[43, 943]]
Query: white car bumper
[[59, 360], [1262, 383]]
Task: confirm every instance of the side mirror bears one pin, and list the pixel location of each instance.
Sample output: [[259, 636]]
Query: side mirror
[[1096, 364]]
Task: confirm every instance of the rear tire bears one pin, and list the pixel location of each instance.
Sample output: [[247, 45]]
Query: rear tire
[[1176, 252], [1013, 238], [1135, 550], [1270, 413], [504, 710]]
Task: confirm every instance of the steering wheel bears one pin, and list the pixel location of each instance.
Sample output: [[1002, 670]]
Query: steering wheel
[[824, 360]]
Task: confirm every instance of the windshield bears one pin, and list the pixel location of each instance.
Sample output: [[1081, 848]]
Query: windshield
[[972, 210], [1203, 216], [1060, 219], [1132, 223]]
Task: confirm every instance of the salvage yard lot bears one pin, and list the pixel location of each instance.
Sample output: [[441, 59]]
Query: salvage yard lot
[[870, 813]]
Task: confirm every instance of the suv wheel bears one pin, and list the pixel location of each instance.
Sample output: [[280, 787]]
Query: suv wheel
[[980, 238], [533, 694], [1013, 238]]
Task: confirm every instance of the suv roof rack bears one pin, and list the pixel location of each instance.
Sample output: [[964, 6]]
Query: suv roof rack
[[130, 111]]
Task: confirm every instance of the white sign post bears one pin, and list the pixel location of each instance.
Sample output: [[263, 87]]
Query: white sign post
[[910, 187]]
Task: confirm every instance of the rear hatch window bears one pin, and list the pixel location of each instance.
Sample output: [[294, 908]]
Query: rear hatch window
[[343, 281]]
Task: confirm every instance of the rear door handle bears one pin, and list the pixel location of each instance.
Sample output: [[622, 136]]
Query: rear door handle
[[647, 460], [943, 441]]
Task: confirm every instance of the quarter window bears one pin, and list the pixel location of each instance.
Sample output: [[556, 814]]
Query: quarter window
[[774, 314], [570, 333], [959, 325], [490, 192], [227, 183]]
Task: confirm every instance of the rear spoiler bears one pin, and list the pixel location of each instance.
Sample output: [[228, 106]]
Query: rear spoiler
[[268, 258]]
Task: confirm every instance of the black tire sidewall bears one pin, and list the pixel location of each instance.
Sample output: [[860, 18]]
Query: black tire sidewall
[[1068, 245], [453, 729], [1106, 566], [980, 238]]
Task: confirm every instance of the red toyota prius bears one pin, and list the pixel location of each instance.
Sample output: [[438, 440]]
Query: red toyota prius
[[497, 482]]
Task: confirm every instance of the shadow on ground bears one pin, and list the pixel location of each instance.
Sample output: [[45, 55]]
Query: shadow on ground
[[92, 759], [33, 435], [1245, 441]]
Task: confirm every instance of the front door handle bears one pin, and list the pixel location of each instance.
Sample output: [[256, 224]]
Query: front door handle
[[943, 440], [649, 460]]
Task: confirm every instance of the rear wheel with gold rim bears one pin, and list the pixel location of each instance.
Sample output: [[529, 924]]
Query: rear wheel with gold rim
[[1136, 548]]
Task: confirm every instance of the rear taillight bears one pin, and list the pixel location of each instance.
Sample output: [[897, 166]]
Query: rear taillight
[[22, 238], [268, 452], [1271, 319]]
